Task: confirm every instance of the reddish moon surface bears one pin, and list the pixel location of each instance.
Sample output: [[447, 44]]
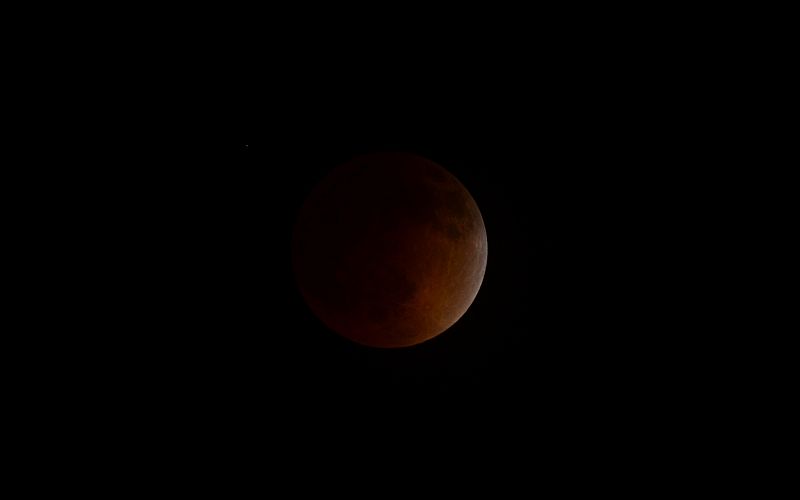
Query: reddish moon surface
[[389, 250]]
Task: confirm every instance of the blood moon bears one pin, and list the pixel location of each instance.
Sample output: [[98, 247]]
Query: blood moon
[[389, 250]]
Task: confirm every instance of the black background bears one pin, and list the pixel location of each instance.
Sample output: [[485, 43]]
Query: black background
[[584, 153], [596, 146], [612, 157], [573, 173]]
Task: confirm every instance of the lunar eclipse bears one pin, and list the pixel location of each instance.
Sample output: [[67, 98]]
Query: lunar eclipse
[[389, 250]]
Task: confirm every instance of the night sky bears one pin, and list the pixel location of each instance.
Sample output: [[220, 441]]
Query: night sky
[[564, 322], [595, 154], [579, 166]]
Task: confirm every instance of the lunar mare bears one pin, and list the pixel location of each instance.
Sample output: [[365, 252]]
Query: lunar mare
[[389, 250]]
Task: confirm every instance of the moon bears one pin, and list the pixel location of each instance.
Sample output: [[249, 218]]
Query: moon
[[389, 250]]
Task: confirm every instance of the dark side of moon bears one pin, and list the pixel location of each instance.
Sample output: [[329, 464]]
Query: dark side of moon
[[389, 250]]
